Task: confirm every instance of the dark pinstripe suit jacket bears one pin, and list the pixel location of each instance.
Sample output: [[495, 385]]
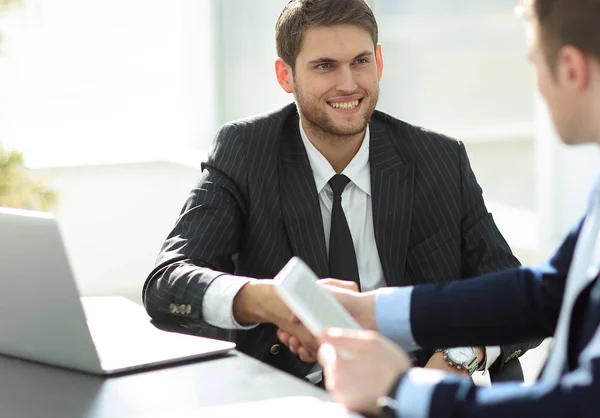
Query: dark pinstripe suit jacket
[[256, 205]]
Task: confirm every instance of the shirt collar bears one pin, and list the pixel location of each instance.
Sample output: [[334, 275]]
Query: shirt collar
[[357, 170]]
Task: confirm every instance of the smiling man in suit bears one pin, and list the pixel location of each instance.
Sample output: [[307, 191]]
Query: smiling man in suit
[[355, 193], [560, 297]]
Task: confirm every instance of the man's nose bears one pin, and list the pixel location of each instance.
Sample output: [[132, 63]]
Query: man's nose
[[346, 82]]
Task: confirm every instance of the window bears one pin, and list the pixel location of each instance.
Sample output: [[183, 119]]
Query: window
[[457, 66]]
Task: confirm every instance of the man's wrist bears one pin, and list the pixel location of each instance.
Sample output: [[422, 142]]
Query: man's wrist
[[366, 313], [249, 304], [468, 359]]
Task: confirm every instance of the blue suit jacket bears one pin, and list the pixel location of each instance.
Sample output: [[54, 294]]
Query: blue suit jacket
[[505, 307]]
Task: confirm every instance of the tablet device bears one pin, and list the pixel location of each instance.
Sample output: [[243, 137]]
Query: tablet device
[[316, 308]]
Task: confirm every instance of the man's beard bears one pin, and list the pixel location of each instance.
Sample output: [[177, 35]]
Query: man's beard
[[319, 120]]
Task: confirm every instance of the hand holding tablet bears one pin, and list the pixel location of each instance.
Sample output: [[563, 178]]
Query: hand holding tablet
[[314, 306]]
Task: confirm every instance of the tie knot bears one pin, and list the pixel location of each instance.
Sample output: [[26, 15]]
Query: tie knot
[[338, 183]]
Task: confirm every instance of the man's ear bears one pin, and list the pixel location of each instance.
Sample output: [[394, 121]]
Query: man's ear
[[284, 75], [379, 60], [573, 68]]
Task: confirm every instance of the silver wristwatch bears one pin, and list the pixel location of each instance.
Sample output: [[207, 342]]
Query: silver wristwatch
[[463, 358]]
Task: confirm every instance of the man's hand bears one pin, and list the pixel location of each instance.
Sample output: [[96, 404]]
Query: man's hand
[[360, 367], [338, 284], [360, 305], [258, 302], [437, 362]]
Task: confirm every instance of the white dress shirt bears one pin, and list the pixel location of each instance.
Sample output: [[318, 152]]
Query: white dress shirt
[[356, 203], [217, 308]]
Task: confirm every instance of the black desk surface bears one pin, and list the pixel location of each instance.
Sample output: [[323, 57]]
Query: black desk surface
[[31, 390]]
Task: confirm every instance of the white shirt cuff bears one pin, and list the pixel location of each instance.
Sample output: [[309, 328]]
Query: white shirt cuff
[[217, 305], [416, 390], [491, 355], [392, 314]]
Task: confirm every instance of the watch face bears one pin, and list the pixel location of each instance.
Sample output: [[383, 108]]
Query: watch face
[[461, 355]]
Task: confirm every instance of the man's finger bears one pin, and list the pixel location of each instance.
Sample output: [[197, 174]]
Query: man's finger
[[347, 339], [343, 284], [283, 336], [327, 354], [310, 345], [293, 342], [305, 356]]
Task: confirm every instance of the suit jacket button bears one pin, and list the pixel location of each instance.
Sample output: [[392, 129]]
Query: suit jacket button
[[182, 309], [275, 349], [188, 309], [172, 308]]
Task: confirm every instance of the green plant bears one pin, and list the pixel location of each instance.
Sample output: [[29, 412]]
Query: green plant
[[19, 187], [4, 5]]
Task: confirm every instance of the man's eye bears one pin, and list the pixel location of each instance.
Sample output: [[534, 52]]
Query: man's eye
[[362, 61], [324, 66]]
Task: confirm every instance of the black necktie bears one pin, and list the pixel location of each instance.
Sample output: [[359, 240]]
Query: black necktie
[[342, 258]]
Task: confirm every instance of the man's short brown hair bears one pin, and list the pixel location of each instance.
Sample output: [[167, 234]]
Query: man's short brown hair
[[566, 22], [300, 15]]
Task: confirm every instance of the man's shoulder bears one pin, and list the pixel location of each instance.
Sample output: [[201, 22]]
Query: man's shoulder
[[267, 123], [411, 135], [253, 137]]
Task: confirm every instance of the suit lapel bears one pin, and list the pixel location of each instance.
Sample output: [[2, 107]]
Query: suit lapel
[[592, 316], [300, 202], [582, 272], [392, 181]]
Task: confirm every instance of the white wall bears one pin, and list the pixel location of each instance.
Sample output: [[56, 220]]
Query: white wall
[[564, 178], [247, 58], [456, 67], [115, 217], [85, 81]]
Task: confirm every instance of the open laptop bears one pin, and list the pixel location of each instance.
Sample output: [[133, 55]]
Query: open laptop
[[42, 317]]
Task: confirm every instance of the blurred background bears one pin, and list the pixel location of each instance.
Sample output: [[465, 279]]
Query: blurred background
[[114, 103]]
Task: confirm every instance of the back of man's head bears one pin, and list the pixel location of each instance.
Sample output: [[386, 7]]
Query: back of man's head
[[298, 16], [566, 22]]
